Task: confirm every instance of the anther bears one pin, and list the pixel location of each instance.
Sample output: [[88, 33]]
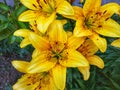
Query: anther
[[99, 26]]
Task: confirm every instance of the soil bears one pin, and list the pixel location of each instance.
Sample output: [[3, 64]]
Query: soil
[[8, 74]]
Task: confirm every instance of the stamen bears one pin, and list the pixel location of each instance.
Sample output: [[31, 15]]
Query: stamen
[[99, 13], [35, 25], [39, 87], [28, 84], [56, 43], [99, 26], [91, 16]]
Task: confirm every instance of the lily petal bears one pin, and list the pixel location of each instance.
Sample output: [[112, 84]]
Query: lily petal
[[29, 15], [73, 58], [24, 83], [25, 42], [39, 57], [75, 42], [31, 4], [116, 43], [78, 12], [88, 48], [108, 10], [44, 21], [85, 72], [79, 30], [99, 42], [38, 42], [42, 66], [35, 53], [20, 65], [95, 60], [59, 76], [22, 32], [91, 6], [56, 32], [109, 28], [65, 9]]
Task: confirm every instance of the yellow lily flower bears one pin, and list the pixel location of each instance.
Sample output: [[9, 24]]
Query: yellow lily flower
[[56, 53], [35, 81], [44, 11], [71, 1], [116, 43], [88, 49], [25, 32], [81, 1], [94, 19]]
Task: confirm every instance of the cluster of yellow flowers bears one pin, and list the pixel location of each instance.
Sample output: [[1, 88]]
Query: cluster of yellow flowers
[[57, 49]]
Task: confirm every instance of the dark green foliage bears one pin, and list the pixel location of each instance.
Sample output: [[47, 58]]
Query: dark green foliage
[[105, 79], [9, 19]]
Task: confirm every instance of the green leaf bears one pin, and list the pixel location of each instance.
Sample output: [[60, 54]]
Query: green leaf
[[76, 89], [4, 34], [20, 10], [4, 6], [104, 88], [22, 24], [3, 18], [12, 39], [4, 26], [81, 84], [115, 84]]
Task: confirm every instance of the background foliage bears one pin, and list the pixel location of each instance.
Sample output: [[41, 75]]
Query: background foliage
[[106, 79]]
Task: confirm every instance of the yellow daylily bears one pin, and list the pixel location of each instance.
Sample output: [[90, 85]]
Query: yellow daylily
[[35, 81], [56, 53], [88, 49], [116, 43], [44, 11], [93, 19]]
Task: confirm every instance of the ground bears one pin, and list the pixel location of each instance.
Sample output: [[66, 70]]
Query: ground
[[8, 74]]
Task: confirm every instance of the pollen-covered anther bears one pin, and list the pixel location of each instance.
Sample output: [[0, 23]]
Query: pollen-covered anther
[[64, 55], [50, 48], [65, 45], [49, 55], [58, 50], [99, 13]]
